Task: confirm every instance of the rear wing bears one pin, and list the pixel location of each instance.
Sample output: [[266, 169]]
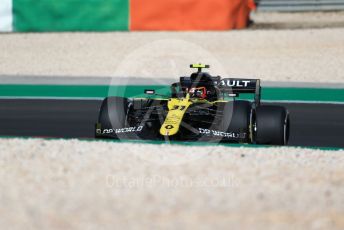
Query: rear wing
[[236, 86]]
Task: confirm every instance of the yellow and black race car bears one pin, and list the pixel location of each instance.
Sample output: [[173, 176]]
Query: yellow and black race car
[[200, 108]]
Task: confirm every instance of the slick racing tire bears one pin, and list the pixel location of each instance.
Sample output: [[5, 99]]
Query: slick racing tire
[[238, 114], [113, 114], [272, 125]]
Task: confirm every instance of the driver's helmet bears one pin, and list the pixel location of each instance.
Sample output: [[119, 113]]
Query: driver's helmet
[[198, 92]]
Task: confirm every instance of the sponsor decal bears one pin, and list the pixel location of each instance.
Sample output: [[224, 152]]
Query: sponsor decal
[[173, 119], [217, 133], [169, 127], [234, 83], [121, 130]]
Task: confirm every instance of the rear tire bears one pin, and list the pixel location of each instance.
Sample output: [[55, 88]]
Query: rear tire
[[113, 113], [272, 125], [239, 115]]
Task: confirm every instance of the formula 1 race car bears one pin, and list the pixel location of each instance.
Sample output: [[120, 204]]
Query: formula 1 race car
[[200, 108]]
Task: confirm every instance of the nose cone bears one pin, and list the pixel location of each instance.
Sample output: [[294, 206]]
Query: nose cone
[[176, 111], [169, 129]]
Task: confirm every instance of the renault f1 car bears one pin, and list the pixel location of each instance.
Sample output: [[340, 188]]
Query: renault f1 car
[[200, 107]]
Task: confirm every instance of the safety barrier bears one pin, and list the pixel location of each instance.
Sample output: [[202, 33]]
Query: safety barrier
[[300, 5]]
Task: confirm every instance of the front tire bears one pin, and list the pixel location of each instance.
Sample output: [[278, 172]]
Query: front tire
[[113, 115], [272, 125]]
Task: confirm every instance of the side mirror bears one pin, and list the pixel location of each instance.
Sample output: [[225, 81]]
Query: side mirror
[[150, 91]]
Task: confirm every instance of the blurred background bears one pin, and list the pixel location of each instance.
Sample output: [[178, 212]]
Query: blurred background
[[136, 15]]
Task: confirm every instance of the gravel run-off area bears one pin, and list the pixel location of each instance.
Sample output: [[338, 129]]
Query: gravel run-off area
[[310, 55], [72, 184], [59, 184]]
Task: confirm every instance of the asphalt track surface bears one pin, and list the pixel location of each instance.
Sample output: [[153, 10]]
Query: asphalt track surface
[[318, 125]]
